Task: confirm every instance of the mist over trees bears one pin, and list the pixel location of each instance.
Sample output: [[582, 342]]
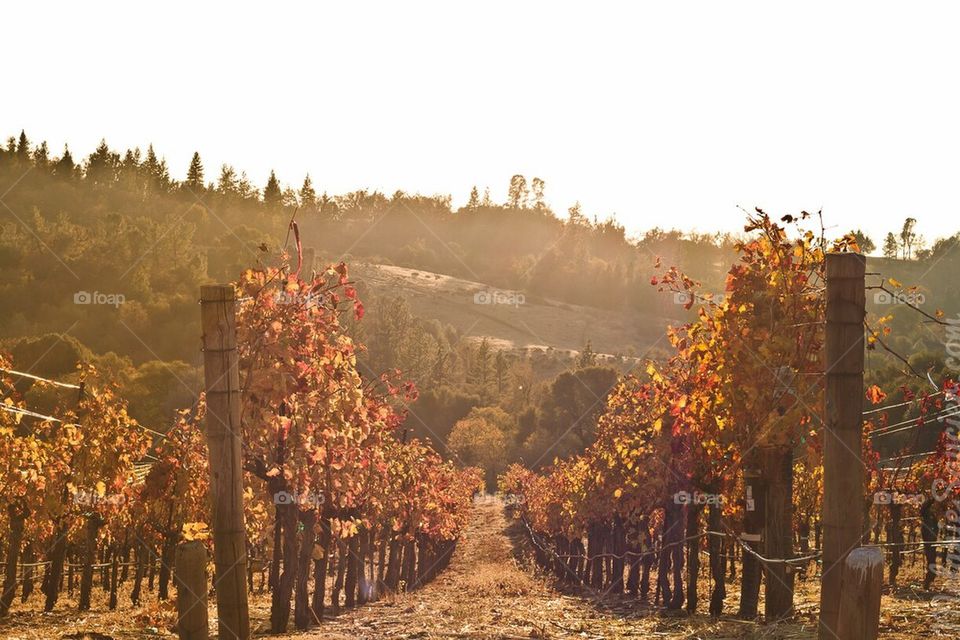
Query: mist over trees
[[119, 224]]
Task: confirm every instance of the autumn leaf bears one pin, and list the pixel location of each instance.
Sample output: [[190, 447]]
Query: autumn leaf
[[875, 395]]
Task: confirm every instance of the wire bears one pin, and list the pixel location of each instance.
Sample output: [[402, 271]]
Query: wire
[[901, 404], [945, 413], [65, 385], [912, 455], [33, 414], [40, 416]]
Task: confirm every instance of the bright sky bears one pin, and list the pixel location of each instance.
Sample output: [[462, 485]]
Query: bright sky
[[663, 113]]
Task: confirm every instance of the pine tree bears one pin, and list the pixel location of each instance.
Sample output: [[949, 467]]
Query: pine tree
[[102, 165], [41, 156], [474, 201], [481, 365], [500, 366], [158, 176], [130, 168], [23, 148], [227, 183], [194, 181], [245, 188], [587, 357], [151, 164], [64, 166], [271, 193], [890, 246], [327, 206], [308, 197]]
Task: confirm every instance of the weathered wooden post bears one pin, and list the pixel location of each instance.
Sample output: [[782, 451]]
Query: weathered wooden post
[[222, 378], [754, 510], [191, 581], [843, 433], [777, 465], [861, 579]]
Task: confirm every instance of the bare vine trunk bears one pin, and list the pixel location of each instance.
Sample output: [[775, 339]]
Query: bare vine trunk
[[94, 522], [17, 517], [717, 569], [693, 555], [280, 605]]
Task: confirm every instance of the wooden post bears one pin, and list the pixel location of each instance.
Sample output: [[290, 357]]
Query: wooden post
[[222, 377], [191, 581], [754, 510], [843, 433], [777, 469], [862, 577]]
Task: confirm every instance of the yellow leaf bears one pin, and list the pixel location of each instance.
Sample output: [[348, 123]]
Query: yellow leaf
[[195, 531]]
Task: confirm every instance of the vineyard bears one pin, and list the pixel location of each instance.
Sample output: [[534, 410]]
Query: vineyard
[[292, 493], [726, 450], [331, 485]]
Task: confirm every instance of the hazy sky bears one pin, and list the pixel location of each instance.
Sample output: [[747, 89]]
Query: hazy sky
[[663, 113]]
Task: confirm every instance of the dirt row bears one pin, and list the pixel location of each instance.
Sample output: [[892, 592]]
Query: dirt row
[[491, 590]]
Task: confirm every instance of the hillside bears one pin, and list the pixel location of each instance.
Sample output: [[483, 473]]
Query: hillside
[[514, 321]]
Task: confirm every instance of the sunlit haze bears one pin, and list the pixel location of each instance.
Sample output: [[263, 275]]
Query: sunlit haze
[[663, 115]]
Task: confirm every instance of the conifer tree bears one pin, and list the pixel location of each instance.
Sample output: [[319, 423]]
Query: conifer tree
[[158, 176], [23, 148], [65, 165], [272, 194], [130, 168], [308, 197], [587, 357], [194, 180], [227, 183], [102, 165], [41, 156], [890, 246], [487, 200], [474, 201]]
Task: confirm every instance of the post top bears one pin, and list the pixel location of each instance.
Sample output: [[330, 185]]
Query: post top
[[846, 265], [217, 293]]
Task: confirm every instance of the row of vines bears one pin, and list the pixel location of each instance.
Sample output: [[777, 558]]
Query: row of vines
[[340, 506], [719, 450]]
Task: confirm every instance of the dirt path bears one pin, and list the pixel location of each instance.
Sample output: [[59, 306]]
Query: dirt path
[[484, 593]]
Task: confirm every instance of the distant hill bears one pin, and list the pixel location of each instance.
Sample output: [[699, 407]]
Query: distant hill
[[515, 321]]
